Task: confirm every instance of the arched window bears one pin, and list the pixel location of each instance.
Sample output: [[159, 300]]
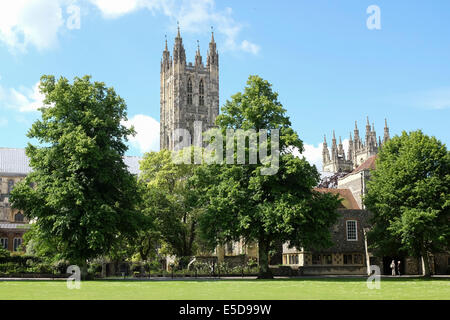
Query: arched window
[[18, 217], [10, 185], [189, 92], [201, 91]]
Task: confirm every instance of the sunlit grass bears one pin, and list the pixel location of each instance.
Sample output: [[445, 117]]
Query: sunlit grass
[[338, 288]]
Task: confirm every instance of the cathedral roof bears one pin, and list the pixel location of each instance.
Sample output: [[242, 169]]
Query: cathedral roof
[[348, 200], [14, 162]]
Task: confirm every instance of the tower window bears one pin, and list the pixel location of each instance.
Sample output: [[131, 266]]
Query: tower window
[[189, 92], [201, 91]]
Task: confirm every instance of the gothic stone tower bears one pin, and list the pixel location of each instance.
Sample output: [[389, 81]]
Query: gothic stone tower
[[188, 92], [358, 151]]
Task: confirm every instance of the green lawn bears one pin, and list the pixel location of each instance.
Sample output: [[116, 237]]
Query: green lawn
[[336, 288]]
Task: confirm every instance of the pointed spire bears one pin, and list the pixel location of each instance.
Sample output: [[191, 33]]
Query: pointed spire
[[213, 55], [325, 153], [351, 136], [198, 56], [165, 62], [368, 124], [179, 54], [386, 136]]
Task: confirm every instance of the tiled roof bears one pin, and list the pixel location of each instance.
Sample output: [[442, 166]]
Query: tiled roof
[[15, 162], [368, 164], [348, 200]]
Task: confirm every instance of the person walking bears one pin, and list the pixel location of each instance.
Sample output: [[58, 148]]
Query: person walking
[[393, 267], [398, 267]]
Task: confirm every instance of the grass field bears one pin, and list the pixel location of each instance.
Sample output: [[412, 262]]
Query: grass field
[[290, 289]]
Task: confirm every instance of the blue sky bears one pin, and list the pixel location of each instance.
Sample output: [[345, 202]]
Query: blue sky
[[327, 66]]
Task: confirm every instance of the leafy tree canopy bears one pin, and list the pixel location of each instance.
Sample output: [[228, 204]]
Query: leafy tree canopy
[[80, 193], [267, 209], [409, 196]]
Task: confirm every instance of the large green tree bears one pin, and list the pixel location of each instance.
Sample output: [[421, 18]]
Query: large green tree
[[80, 193], [170, 203], [409, 195], [268, 209]]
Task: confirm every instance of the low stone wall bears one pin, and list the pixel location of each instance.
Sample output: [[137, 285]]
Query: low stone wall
[[235, 261], [333, 270], [34, 275]]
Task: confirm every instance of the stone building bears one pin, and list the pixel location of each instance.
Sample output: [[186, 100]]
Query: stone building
[[358, 151], [189, 92], [14, 166], [13, 223], [348, 255]]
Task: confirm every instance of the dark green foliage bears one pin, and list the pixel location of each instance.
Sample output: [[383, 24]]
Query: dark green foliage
[[409, 195], [84, 199], [267, 209]]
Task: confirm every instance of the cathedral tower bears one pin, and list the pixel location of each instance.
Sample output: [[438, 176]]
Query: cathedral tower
[[189, 92], [358, 151]]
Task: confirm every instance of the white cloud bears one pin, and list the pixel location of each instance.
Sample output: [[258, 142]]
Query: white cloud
[[22, 99], [147, 133], [313, 154], [25, 22], [194, 16], [250, 47], [39, 22], [117, 8]]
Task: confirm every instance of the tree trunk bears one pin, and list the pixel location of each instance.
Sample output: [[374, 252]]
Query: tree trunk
[[263, 257], [83, 269], [425, 265]]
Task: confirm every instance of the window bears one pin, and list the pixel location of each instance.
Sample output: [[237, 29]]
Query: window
[[4, 243], [357, 259], [18, 217], [351, 230], [327, 259], [348, 259], [201, 91], [10, 185], [316, 259], [17, 244], [189, 92], [293, 258]]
